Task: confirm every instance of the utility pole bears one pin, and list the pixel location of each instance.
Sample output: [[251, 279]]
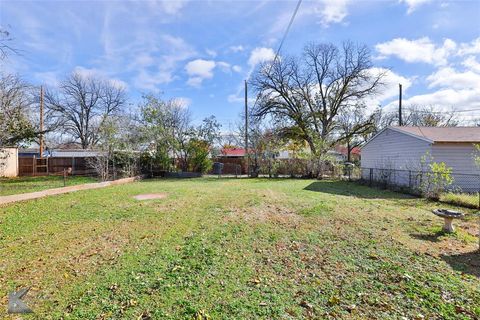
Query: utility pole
[[41, 122], [247, 154], [400, 122]]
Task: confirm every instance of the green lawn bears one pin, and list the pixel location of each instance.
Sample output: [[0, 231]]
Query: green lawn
[[18, 185], [238, 249]]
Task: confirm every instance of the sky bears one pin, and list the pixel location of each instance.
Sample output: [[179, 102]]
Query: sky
[[202, 51]]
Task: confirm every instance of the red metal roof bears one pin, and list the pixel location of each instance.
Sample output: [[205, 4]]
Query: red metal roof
[[233, 152], [343, 150]]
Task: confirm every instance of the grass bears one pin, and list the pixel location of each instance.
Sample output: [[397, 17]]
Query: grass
[[461, 199], [9, 186], [238, 249]]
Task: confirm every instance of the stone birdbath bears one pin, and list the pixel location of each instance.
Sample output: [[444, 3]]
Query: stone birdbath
[[448, 216]]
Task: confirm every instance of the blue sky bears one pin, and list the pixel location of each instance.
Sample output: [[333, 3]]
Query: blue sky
[[201, 51]]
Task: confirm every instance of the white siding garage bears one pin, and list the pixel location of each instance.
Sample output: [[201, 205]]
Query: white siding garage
[[391, 149], [397, 152], [9, 163]]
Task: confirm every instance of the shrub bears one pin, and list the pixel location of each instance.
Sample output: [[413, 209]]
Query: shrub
[[199, 156]]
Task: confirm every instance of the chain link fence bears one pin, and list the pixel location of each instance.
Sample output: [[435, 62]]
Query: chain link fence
[[411, 180]]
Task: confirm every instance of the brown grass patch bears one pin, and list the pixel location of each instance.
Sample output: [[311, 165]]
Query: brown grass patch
[[150, 196], [440, 243], [266, 213]]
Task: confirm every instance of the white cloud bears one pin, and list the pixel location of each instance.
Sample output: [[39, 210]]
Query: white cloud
[[183, 102], [224, 66], [150, 81], [195, 81], [201, 68], [50, 78], [259, 55], [447, 99], [151, 64], [389, 90], [472, 64], [211, 53], [450, 78], [232, 98], [470, 48], [235, 49], [198, 70], [93, 72], [144, 60], [172, 6], [420, 50], [332, 11], [414, 4], [391, 81], [456, 80]]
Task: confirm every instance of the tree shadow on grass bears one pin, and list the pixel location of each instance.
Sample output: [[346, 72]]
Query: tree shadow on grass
[[432, 237], [353, 189], [465, 262]]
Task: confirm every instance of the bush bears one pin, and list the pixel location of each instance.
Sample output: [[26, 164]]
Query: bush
[[152, 161], [199, 156]]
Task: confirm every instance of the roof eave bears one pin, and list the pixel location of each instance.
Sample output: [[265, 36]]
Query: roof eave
[[397, 129]]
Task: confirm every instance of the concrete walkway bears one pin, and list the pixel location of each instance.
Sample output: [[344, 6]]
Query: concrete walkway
[[50, 192]]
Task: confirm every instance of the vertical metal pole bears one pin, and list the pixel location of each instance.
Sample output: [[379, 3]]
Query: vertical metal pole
[[247, 154], [400, 122], [41, 122], [64, 177]]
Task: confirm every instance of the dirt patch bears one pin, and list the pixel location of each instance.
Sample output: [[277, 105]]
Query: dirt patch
[[150, 196]]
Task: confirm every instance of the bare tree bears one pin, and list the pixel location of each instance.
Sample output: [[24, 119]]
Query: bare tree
[[310, 92], [355, 126], [15, 103], [423, 116], [82, 104], [5, 47]]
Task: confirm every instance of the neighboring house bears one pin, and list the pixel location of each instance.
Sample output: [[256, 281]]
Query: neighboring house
[[232, 153], [55, 161], [72, 153], [58, 153], [8, 162], [28, 152], [337, 156], [402, 148], [354, 153]]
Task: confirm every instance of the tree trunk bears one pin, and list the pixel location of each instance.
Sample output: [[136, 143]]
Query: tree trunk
[[349, 151]]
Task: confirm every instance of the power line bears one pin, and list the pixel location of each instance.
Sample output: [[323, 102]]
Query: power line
[[281, 43], [442, 112], [286, 33]]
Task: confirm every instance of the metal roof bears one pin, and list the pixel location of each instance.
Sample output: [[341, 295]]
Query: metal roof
[[443, 134]]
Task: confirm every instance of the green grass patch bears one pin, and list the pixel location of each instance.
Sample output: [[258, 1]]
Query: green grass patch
[[9, 186], [235, 249], [466, 200]]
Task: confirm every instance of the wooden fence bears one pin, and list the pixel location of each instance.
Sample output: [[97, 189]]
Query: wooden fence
[[32, 166]]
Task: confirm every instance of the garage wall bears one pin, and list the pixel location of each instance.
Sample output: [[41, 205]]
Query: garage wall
[[394, 150], [11, 167]]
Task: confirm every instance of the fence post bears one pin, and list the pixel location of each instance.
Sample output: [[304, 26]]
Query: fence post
[[371, 177], [410, 179]]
